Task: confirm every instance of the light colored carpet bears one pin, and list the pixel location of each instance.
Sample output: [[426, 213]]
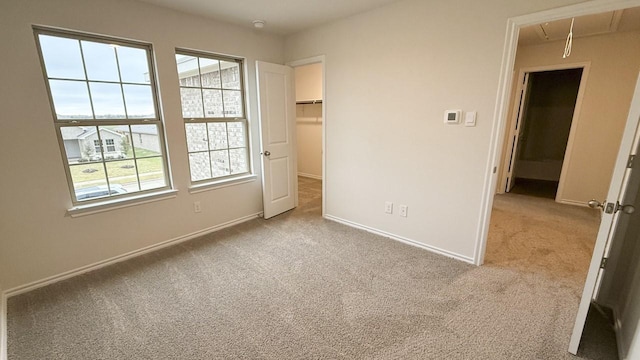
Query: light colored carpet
[[301, 287]]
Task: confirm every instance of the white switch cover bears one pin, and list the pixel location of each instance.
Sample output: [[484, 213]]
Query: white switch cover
[[470, 118], [388, 207], [403, 210]]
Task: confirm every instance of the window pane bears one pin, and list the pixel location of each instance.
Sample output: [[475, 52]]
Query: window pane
[[89, 181], [122, 176], [76, 148], [112, 142], [151, 172], [191, 103], [237, 136], [100, 61], [217, 136], [139, 99], [188, 70], [239, 162], [199, 166], [213, 103], [107, 100], [145, 140], [230, 75], [232, 103], [134, 65], [210, 73], [62, 57], [196, 137], [220, 163], [71, 99]]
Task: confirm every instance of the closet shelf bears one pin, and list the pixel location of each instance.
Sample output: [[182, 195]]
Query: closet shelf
[[308, 102]]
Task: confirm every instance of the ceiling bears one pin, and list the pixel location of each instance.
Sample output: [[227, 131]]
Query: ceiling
[[281, 16], [589, 25]]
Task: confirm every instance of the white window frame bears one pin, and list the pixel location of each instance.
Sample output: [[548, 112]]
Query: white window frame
[[111, 201], [207, 120]]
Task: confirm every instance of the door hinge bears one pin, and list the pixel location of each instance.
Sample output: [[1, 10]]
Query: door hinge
[[630, 161], [603, 263]]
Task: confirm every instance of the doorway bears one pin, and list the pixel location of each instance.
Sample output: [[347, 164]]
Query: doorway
[[310, 120], [539, 139], [514, 26]]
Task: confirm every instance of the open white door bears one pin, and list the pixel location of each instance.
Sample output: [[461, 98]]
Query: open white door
[[622, 194], [276, 94], [514, 136]]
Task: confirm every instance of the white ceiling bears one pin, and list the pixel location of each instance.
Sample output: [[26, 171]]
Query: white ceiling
[[281, 16], [589, 25]]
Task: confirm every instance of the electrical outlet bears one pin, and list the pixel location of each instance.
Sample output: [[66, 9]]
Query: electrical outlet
[[196, 207], [403, 210], [388, 207]]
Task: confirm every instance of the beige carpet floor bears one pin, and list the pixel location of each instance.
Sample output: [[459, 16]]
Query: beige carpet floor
[[301, 287]]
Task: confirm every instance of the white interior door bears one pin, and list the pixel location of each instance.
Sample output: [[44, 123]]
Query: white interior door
[[276, 94], [622, 193], [514, 136]]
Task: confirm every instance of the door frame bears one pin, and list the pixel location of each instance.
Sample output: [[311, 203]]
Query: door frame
[[585, 66], [320, 59], [501, 109]]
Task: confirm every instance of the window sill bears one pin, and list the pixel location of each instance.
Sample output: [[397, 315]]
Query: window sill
[[194, 189], [109, 205]]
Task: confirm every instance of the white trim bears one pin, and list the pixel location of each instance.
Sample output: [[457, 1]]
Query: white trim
[[402, 239], [574, 203], [504, 92], [310, 176], [322, 60], [132, 254], [3, 326], [110, 205], [222, 183]]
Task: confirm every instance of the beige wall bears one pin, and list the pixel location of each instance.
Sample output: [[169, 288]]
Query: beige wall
[[390, 75], [309, 120], [309, 82], [614, 65], [37, 239]]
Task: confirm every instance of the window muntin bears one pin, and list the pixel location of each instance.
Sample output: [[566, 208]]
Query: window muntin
[[102, 94], [213, 108]]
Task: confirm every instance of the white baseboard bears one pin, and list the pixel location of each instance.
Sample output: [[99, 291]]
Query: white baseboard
[[573, 202], [401, 239], [311, 176], [116, 259], [3, 326]]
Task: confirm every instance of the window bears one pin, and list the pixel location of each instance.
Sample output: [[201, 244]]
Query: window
[[213, 108], [111, 146], [97, 147], [102, 91]]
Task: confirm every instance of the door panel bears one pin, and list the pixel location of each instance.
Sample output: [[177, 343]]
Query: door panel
[[623, 189], [276, 95]]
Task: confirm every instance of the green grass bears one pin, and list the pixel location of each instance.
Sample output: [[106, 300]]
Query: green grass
[[115, 169]]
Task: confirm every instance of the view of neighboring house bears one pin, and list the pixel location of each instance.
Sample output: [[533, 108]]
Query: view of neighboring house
[[83, 144]]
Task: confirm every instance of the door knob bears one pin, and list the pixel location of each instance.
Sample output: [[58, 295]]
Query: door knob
[[627, 209], [594, 204], [267, 153]]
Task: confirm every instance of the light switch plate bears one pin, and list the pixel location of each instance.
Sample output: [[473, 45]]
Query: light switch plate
[[470, 118]]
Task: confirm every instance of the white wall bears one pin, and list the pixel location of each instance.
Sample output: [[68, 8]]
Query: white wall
[[614, 65], [309, 120], [38, 239], [390, 75]]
